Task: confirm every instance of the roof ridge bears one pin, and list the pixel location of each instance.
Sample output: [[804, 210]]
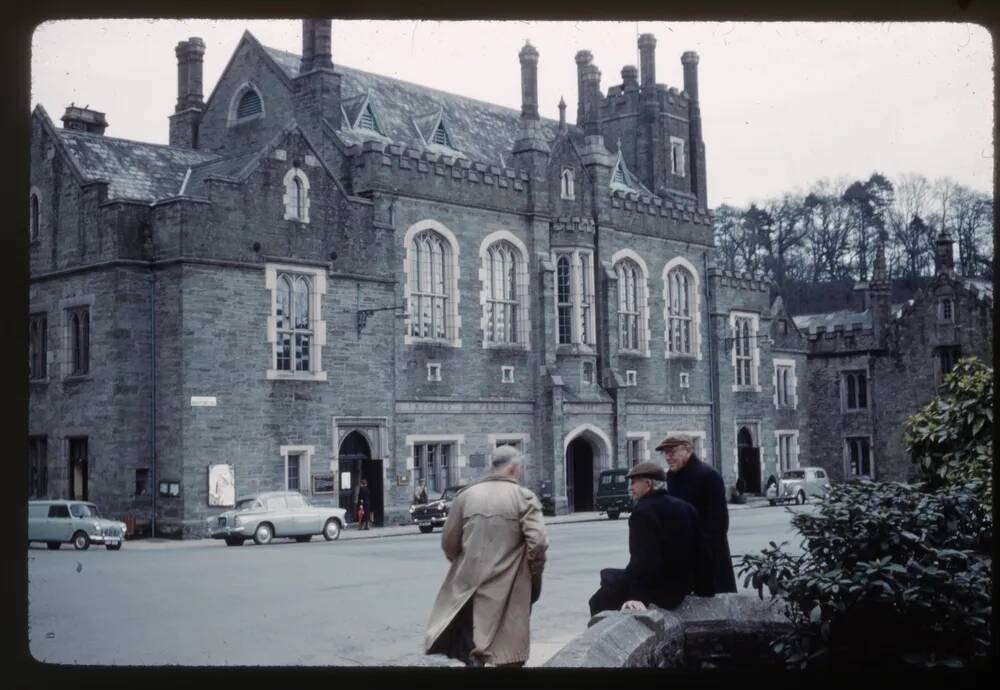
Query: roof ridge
[[102, 137]]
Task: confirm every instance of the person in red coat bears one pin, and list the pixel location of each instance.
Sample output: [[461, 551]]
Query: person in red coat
[[691, 480]]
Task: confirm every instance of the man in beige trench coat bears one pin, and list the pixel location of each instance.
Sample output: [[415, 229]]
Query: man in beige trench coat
[[495, 539]]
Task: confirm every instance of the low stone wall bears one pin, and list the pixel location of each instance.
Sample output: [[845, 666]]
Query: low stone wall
[[726, 631]]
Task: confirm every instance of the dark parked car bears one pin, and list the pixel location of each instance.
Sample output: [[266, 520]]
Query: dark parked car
[[76, 522], [427, 516], [612, 493]]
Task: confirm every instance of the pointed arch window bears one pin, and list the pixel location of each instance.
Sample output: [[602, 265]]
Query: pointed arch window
[[33, 228], [679, 312], [79, 327], [566, 185], [631, 306], [296, 195], [294, 323], [575, 297], [250, 105], [505, 299], [430, 286]]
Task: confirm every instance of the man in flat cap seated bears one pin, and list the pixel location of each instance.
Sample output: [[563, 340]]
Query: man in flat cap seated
[[662, 545], [691, 480]]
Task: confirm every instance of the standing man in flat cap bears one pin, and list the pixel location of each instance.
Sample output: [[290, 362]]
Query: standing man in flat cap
[[495, 539], [691, 480], [662, 546]]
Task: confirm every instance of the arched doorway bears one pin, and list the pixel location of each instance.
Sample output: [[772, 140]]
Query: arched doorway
[[748, 462], [356, 463], [580, 475]]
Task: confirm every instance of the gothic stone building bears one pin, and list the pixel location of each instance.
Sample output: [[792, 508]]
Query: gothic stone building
[[869, 370], [330, 274]]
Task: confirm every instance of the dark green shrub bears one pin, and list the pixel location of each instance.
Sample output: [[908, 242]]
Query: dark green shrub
[[888, 574], [951, 438]]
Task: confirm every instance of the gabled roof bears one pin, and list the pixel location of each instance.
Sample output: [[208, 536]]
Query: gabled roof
[[480, 131], [808, 323], [133, 169]]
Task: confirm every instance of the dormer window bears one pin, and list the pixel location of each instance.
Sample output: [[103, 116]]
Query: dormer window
[[618, 177], [367, 120], [440, 136], [566, 184]]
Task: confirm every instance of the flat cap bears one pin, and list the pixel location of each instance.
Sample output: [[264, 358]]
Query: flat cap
[[675, 440], [647, 469]]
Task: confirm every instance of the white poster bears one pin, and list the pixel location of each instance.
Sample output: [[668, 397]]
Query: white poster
[[221, 486]]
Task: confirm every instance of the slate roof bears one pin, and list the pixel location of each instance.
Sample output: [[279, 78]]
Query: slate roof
[[231, 168], [983, 288], [844, 317], [480, 131], [133, 169]]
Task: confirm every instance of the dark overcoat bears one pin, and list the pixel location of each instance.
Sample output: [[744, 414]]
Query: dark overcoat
[[663, 550], [701, 486]]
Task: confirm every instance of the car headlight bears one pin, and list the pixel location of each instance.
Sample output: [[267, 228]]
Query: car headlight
[[96, 527], [412, 508], [236, 521]]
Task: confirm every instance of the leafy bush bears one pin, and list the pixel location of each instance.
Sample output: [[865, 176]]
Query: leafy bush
[[951, 438], [888, 574]]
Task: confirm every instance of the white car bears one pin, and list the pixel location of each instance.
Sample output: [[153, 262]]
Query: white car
[[799, 485], [76, 522], [264, 516]]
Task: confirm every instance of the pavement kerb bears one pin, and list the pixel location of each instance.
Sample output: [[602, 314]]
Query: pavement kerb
[[352, 533]]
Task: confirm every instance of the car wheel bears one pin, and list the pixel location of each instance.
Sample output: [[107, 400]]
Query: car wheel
[[263, 534], [53, 545], [800, 497], [114, 547], [234, 541], [331, 530], [302, 538], [613, 514], [81, 542], [426, 529]]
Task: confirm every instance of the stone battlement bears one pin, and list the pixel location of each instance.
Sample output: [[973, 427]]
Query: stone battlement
[[678, 210]]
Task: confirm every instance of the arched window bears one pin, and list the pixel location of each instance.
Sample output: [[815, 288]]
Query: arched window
[[631, 306], [564, 301], [33, 228], [80, 341], [946, 312], [680, 312], [250, 105], [430, 286], [503, 268], [294, 324], [297, 195], [575, 297], [566, 184]]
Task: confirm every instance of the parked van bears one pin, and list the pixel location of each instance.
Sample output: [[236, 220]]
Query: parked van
[[612, 493]]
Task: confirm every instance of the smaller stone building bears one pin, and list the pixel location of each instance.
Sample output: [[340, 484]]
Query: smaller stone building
[[869, 370]]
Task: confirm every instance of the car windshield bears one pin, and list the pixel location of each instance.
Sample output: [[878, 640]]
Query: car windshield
[[246, 503], [83, 510], [794, 474], [450, 493]]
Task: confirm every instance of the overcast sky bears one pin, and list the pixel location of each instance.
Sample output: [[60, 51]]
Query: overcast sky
[[783, 104]]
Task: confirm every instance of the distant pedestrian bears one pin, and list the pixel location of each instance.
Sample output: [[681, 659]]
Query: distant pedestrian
[[700, 485], [364, 506], [663, 549], [420, 497], [495, 539]]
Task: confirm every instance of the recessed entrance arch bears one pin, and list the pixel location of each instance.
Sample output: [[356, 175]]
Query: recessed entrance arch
[[587, 450], [355, 463], [748, 457]]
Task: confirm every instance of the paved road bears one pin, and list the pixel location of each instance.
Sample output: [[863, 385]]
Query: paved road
[[350, 602]]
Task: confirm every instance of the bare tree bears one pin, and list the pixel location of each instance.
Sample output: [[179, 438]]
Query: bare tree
[[971, 214], [728, 228], [781, 229], [826, 240]]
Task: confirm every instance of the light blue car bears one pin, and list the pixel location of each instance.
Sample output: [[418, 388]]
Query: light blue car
[[79, 523]]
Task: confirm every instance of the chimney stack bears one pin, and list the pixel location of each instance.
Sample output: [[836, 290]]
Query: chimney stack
[[84, 120], [690, 61], [630, 78], [562, 115], [647, 59], [944, 256], [529, 81], [592, 96], [583, 60], [190, 57], [316, 45]]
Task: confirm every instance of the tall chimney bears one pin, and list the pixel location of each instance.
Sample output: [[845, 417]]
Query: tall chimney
[[690, 61], [630, 80], [562, 115], [316, 45], [592, 95], [190, 58], [583, 59], [647, 61], [529, 81], [84, 120], [944, 256]]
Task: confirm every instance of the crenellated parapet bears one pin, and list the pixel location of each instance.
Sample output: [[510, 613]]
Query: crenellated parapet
[[740, 281], [385, 165], [677, 209], [572, 224]]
